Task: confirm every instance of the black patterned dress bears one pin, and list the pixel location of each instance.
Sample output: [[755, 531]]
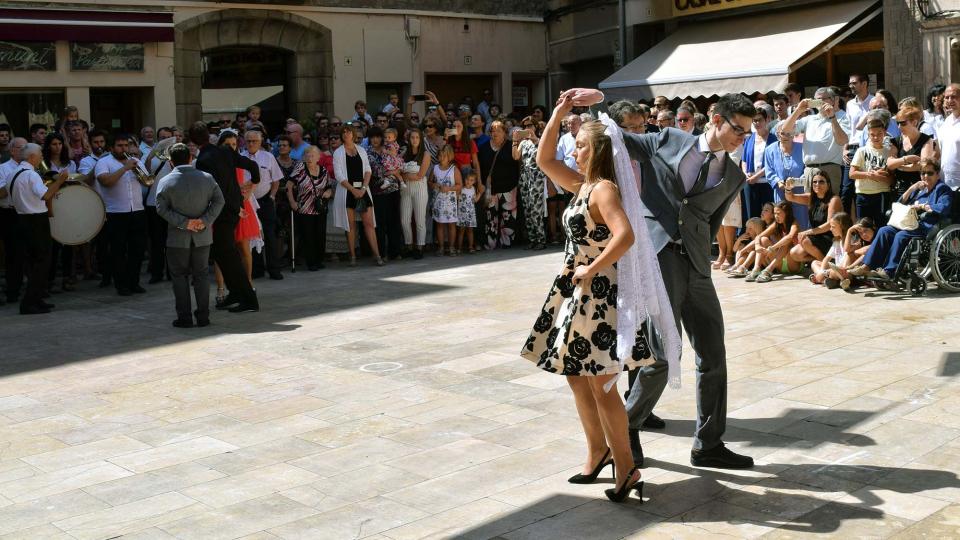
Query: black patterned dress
[[576, 332]]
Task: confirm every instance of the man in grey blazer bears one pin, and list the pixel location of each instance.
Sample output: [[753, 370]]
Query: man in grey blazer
[[689, 183], [189, 200]]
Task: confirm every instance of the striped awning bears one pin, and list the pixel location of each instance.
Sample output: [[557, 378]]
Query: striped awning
[[107, 26]]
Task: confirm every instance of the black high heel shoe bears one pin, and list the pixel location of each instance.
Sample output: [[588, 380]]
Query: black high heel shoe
[[621, 494], [590, 478]]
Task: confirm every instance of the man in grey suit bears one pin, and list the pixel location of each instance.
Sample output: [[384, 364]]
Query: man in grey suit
[[689, 183], [189, 200]]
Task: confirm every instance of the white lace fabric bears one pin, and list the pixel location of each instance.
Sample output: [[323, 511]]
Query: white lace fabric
[[641, 293]]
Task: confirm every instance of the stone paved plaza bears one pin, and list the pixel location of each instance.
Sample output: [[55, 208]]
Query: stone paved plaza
[[391, 403]]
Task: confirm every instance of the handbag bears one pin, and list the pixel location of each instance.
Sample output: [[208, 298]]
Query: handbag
[[903, 217]]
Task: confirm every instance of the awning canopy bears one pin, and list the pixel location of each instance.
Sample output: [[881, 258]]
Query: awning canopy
[[19, 24], [234, 100], [740, 54]]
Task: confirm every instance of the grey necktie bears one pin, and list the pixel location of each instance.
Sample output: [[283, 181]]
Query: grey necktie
[[701, 182]]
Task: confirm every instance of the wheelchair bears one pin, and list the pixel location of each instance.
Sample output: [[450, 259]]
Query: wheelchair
[[935, 257]]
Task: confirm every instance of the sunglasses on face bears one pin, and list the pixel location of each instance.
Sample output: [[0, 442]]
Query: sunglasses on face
[[815, 182]]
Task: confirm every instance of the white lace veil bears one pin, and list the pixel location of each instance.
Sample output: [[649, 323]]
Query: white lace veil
[[641, 294]]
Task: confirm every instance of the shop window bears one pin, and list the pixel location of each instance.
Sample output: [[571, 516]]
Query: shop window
[[22, 108]]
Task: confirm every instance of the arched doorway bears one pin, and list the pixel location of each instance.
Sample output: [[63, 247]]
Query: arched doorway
[[239, 50]]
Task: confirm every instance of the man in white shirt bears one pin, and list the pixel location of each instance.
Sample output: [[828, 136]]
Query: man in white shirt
[[88, 165], [266, 194], [824, 135], [147, 140], [8, 222], [29, 196], [948, 137], [860, 104], [126, 227], [567, 143]]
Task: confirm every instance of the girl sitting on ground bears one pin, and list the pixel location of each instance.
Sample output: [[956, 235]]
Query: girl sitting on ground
[[773, 256], [745, 247], [829, 270]]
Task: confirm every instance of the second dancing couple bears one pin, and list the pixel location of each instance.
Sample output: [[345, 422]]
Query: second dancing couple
[[637, 265]]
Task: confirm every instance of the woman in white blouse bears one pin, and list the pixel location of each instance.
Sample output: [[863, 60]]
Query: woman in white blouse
[[352, 172]]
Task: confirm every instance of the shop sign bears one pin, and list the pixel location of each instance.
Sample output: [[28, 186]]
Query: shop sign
[[682, 8], [33, 56], [521, 96], [106, 56]]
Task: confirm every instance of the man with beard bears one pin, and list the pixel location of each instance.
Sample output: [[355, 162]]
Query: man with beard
[[222, 164]]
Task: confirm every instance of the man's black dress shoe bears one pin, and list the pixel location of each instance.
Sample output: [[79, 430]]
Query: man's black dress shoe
[[654, 422], [33, 310], [183, 323], [124, 292], [154, 280], [635, 447], [720, 457], [47, 305], [247, 307], [137, 289], [276, 276]]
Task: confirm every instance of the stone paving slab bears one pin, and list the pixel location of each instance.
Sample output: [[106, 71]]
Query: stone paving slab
[[391, 404]]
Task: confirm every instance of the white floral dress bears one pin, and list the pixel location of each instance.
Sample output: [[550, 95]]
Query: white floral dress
[[576, 331], [445, 205]]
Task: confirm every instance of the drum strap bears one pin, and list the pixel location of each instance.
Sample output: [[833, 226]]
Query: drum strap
[[14, 179]]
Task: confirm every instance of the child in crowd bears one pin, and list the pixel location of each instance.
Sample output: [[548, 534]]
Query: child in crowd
[[445, 180], [869, 169], [855, 246], [766, 214], [774, 253], [392, 161], [467, 211], [745, 247], [832, 269]]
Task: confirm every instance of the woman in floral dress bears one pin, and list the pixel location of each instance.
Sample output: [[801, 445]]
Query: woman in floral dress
[[575, 334]]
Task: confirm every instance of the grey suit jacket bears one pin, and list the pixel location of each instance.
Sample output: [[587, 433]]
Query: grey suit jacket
[[693, 219], [184, 194]]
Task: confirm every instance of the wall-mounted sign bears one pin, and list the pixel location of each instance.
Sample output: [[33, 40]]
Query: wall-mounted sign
[[693, 7], [38, 56], [521, 96], [106, 56]]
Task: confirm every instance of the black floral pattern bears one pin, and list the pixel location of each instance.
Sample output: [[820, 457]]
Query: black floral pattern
[[577, 335]]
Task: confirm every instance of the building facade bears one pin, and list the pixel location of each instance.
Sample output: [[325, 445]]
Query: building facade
[[159, 64], [904, 45]]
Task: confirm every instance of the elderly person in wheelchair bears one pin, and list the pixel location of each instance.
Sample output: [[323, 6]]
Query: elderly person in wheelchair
[[932, 200]]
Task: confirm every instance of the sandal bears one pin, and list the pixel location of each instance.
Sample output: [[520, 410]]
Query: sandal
[[739, 273], [221, 295], [764, 277], [752, 276]]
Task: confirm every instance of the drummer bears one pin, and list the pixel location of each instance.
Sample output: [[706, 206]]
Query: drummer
[[8, 223], [98, 145], [29, 197]]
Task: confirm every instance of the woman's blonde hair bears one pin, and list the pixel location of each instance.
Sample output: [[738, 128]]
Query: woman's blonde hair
[[600, 165]]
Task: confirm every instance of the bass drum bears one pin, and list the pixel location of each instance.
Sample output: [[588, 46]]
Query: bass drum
[[78, 215]]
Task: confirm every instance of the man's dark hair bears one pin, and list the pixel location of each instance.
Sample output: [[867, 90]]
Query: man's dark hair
[[99, 133], [34, 128], [618, 110], [179, 154], [731, 104], [6, 127], [793, 87], [779, 97], [113, 139], [374, 131], [199, 134], [860, 77]]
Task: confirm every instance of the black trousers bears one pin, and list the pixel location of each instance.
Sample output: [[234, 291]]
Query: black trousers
[[34, 233], [227, 257], [271, 244], [874, 206], [312, 232], [63, 255], [185, 263], [157, 232], [389, 229], [127, 236], [13, 252]]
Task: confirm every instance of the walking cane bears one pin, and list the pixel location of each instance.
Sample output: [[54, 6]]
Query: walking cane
[[293, 245]]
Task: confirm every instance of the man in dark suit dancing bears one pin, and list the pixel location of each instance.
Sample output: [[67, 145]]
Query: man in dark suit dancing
[[222, 164], [689, 183]]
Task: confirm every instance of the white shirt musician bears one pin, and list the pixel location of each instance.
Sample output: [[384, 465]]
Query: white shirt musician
[[117, 182]]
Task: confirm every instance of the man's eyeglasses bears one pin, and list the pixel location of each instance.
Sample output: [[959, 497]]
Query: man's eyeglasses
[[739, 131], [336, 124], [684, 120]]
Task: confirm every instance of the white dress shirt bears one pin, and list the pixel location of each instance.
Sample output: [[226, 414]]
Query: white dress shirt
[[123, 196], [855, 111], [819, 144], [28, 191], [565, 148], [689, 168], [948, 137], [270, 172], [6, 173]]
